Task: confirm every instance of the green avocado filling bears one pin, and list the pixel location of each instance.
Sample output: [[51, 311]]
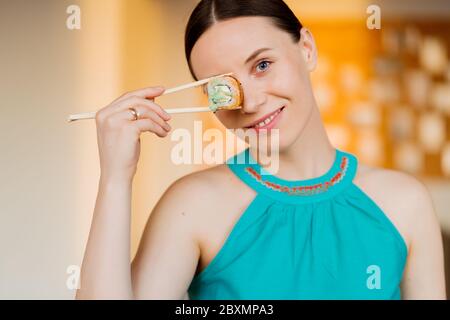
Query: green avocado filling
[[219, 95]]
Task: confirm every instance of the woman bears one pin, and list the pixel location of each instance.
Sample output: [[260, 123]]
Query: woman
[[365, 233]]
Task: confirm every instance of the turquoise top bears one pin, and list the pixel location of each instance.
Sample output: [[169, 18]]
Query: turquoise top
[[320, 238]]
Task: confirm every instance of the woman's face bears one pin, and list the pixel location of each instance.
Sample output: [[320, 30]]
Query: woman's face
[[275, 81]]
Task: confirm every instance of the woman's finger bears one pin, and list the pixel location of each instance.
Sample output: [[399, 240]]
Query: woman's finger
[[126, 104], [144, 93], [134, 100], [146, 124], [144, 112]]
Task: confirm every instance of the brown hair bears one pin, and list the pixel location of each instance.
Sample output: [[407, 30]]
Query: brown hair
[[208, 12]]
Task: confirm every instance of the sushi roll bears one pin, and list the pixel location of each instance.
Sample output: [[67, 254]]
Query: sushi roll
[[224, 93]]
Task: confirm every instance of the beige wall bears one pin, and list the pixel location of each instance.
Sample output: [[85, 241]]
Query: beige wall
[[49, 168]]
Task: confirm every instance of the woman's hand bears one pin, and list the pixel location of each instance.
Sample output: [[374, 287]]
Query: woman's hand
[[118, 135]]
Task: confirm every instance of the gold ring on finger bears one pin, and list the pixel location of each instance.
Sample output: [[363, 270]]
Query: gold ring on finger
[[134, 112]]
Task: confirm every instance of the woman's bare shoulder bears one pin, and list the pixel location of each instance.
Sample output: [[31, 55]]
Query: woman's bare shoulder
[[207, 188], [209, 198], [210, 181], [385, 181], [400, 195]]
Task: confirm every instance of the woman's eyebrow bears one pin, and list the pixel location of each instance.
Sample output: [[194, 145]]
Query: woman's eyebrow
[[255, 54]]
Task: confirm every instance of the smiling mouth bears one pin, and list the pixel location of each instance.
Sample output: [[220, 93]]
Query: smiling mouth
[[266, 121]]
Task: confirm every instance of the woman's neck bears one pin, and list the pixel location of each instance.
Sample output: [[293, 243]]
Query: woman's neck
[[311, 155]]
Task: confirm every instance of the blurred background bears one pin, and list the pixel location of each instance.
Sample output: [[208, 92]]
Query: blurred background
[[384, 95]]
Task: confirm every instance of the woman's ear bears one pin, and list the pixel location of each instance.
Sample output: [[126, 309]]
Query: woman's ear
[[308, 49]]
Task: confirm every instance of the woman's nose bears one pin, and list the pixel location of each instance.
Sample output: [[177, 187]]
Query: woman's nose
[[254, 98]]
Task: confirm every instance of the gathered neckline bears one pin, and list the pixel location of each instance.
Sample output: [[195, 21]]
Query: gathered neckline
[[340, 173]]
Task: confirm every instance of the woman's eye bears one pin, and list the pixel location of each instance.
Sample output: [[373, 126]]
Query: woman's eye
[[264, 64]]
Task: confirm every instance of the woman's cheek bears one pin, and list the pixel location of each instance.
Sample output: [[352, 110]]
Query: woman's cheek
[[227, 119]]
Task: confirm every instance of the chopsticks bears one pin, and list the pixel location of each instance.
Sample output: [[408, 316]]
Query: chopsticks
[[91, 115]]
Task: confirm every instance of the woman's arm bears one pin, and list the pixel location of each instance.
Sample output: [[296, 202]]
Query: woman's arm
[[167, 257], [106, 271], [423, 277], [168, 252], [106, 265]]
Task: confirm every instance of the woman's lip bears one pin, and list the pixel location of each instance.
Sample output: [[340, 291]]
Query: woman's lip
[[252, 126], [271, 124]]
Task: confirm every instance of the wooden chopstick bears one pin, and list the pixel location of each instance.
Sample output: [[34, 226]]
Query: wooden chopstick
[[193, 84], [91, 115]]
